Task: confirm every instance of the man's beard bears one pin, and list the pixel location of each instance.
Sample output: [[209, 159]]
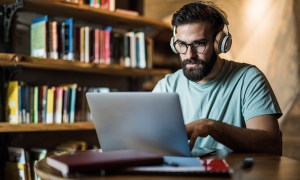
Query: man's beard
[[201, 70]]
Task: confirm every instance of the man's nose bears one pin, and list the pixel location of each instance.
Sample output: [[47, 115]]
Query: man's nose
[[190, 52]]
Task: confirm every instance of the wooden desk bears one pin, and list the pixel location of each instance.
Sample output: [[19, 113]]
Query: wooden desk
[[264, 167]]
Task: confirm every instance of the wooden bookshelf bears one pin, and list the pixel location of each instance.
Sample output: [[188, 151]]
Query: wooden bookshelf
[[9, 128], [19, 66], [12, 60], [94, 15]]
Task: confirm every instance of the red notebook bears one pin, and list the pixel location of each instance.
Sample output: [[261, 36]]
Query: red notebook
[[90, 161]]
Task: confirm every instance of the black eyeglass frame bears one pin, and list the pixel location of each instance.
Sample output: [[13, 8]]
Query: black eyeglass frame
[[192, 45]]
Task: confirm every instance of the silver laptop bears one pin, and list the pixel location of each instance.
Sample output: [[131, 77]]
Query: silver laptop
[[139, 120]]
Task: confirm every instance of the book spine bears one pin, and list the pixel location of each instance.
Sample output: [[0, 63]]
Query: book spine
[[58, 104], [62, 50], [50, 105], [13, 102], [72, 102], [36, 105], [97, 46], [102, 46], [86, 44], [127, 59], [92, 46], [141, 49], [69, 39], [107, 33], [52, 40], [65, 105], [82, 44]]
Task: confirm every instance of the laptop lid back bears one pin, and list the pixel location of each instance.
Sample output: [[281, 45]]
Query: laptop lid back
[[139, 120]]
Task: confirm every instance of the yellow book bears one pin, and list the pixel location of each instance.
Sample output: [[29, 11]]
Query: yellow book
[[13, 101], [50, 105]]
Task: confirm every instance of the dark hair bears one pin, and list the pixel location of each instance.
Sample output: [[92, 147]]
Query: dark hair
[[200, 12]]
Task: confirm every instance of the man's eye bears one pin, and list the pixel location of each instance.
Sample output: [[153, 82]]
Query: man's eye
[[181, 44]]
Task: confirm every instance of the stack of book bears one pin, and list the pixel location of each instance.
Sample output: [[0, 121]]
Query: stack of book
[[20, 164]]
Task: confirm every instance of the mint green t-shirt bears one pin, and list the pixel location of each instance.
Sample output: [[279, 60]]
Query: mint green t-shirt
[[238, 93]]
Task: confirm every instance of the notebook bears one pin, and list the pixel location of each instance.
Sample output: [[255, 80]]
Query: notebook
[[140, 120], [94, 161]]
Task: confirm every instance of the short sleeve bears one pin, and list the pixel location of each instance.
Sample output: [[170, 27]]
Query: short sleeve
[[259, 98]]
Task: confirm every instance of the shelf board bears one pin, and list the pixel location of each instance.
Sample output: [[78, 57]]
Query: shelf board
[[11, 60], [8, 127], [93, 15]]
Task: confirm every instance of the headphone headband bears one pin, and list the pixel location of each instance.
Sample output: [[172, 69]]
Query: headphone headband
[[223, 39]]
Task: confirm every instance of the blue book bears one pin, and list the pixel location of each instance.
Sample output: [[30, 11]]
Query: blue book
[[69, 39]]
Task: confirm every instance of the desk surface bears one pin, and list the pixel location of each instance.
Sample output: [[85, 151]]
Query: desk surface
[[264, 167]]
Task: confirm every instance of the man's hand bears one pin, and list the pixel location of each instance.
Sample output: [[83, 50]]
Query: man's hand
[[261, 134], [199, 128]]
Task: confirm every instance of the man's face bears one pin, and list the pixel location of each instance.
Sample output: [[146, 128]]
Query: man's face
[[195, 65]]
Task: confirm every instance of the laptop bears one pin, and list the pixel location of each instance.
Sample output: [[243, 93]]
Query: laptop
[[146, 121]]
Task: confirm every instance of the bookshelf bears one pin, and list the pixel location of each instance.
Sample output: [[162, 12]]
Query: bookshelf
[[93, 15], [19, 61], [10, 128], [34, 70]]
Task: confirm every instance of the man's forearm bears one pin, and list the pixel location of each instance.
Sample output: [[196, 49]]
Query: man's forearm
[[243, 139]]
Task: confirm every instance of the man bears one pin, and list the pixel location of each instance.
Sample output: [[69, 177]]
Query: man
[[225, 104]]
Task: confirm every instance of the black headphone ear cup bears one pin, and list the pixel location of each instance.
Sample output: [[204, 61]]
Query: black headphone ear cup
[[226, 43], [172, 45], [218, 42]]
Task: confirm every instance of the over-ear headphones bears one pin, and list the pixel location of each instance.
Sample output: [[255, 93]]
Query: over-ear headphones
[[223, 39]]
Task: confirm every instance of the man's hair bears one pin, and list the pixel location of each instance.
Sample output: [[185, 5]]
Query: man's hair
[[200, 12]]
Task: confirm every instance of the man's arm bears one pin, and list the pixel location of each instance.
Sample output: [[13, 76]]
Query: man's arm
[[261, 135]]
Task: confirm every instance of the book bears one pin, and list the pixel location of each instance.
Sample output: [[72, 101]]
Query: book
[[141, 55], [86, 46], [50, 105], [174, 165], [17, 164], [107, 48], [132, 48], [62, 39], [72, 102], [13, 102], [42, 103], [58, 105], [52, 43], [36, 104], [38, 37], [69, 54], [89, 161]]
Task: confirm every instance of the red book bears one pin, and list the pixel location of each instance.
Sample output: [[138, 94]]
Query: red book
[[107, 33], [91, 161]]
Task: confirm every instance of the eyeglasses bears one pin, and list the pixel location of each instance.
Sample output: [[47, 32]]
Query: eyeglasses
[[197, 46]]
